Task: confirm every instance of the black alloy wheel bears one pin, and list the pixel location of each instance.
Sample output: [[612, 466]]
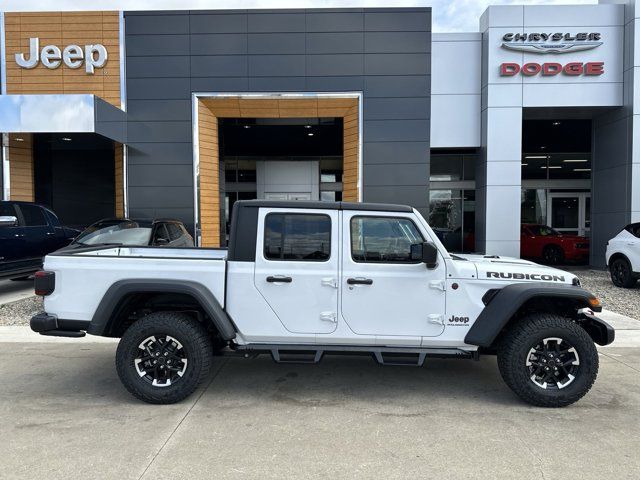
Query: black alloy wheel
[[621, 274]]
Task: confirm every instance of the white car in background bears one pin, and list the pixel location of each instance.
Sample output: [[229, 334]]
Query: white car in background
[[623, 256]]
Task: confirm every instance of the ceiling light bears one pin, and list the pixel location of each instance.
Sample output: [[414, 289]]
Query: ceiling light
[[535, 156], [307, 126], [581, 169], [310, 134], [525, 164], [571, 160], [66, 139], [246, 126], [542, 147], [18, 139], [552, 166], [556, 123]]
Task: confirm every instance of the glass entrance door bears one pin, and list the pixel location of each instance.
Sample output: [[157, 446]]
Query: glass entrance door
[[570, 212]]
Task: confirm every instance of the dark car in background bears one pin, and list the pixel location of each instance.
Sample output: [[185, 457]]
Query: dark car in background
[[28, 232], [161, 232]]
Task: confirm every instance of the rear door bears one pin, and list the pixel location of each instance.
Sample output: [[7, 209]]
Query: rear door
[[296, 267], [37, 231], [12, 241]]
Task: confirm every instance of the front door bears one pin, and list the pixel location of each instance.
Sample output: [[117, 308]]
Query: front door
[[570, 212], [297, 267], [384, 292]]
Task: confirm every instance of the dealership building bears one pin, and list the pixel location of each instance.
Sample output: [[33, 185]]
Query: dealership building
[[530, 119]]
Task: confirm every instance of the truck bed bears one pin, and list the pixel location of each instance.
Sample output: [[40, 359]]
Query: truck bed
[[83, 276]]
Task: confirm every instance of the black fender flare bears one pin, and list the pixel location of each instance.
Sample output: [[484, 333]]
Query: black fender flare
[[104, 314], [506, 302]]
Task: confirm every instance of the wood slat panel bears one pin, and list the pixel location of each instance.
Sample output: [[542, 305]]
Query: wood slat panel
[[62, 29], [21, 167]]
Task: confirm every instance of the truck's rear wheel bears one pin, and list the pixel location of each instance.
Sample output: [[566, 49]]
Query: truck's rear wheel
[[163, 357], [547, 360]]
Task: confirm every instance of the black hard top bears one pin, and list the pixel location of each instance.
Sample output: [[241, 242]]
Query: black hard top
[[376, 207]]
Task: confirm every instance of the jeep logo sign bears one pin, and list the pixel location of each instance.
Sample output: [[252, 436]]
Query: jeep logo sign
[[73, 56]]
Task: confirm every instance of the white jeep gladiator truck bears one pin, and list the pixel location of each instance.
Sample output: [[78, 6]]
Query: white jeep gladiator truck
[[305, 279]]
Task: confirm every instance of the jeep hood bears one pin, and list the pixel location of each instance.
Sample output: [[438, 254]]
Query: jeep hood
[[510, 269]]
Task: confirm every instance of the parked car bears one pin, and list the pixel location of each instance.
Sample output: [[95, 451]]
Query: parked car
[[544, 243], [306, 279], [161, 232], [27, 233], [623, 256]]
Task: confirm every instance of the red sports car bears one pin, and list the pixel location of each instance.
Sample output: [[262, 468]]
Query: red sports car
[[550, 246]]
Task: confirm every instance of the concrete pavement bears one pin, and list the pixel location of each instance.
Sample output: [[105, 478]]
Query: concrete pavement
[[11, 291], [64, 414]]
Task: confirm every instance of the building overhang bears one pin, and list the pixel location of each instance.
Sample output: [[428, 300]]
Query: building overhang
[[62, 113]]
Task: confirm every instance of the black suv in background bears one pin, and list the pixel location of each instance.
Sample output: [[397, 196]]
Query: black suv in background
[[161, 232], [28, 232]]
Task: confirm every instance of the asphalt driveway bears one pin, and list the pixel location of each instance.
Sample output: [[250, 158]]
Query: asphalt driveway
[[64, 414]]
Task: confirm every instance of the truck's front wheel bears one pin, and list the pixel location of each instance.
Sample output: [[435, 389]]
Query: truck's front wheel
[[163, 357], [548, 360]]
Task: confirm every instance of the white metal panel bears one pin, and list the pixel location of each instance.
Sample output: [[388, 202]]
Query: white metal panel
[[455, 66], [455, 121], [591, 95], [559, 15]]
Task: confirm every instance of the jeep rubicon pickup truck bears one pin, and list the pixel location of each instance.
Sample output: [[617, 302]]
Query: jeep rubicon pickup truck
[[304, 279]]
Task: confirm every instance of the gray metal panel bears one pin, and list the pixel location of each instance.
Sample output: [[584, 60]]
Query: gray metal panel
[[335, 84], [397, 86], [276, 22], [218, 23], [396, 130], [397, 64], [276, 65], [219, 66], [147, 45], [157, 67], [165, 132], [160, 153], [144, 110], [161, 197], [160, 175], [277, 84], [396, 174], [276, 43], [157, 88], [219, 84], [331, 43], [151, 24], [219, 44], [417, 20], [390, 152], [335, 64], [397, 42], [396, 108], [335, 22], [416, 196]]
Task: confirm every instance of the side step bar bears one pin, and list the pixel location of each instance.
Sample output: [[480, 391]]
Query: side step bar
[[311, 354]]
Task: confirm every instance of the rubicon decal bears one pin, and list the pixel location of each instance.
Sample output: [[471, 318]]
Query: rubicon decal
[[550, 69], [526, 276], [551, 42]]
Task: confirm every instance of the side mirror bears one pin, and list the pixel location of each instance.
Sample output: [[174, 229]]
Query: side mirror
[[162, 242], [8, 221], [426, 253]]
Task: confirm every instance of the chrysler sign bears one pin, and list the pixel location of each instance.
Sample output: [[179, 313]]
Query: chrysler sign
[[73, 56], [550, 42]]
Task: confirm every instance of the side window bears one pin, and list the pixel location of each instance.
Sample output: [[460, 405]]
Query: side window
[[175, 232], [33, 216], [297, 237], [7, 210], [160, 232], [383, 239]]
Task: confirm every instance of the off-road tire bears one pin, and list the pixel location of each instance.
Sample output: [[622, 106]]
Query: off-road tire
[[522, 336], [195, 340], [621, 273], [552, 254]]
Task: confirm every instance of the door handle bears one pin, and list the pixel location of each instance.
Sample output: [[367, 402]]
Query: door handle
[[279, 279], [359, 281]]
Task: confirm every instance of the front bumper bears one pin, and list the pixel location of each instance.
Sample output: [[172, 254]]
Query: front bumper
[[50, 325], [600, 331]]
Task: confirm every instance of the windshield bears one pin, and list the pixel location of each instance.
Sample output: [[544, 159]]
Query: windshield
[[542, 230], [120, 232]]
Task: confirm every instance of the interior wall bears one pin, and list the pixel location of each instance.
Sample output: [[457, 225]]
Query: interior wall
[[21, 167]]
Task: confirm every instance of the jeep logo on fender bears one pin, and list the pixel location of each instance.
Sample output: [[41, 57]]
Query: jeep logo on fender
[[526, 276], [550, 42], [93, 56], [459, 320]]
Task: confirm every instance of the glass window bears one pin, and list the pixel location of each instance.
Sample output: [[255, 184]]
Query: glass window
[[445, 217], [7, 210], [533, 206], [297, 237], [175, 232], [121, 232], [160, 233], [33, 216], [383, 239], [445, 168]]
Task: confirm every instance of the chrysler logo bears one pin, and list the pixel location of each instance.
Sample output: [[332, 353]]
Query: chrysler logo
[[550, 42]]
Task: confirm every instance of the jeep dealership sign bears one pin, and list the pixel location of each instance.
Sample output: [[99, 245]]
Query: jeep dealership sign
[[554, 43], [73, 56]]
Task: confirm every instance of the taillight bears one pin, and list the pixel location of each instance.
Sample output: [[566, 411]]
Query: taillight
[[45, 282]]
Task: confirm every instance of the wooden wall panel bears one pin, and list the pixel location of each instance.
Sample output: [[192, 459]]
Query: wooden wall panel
[[212, 108], [119, 180], [21, 167], [62, 29]]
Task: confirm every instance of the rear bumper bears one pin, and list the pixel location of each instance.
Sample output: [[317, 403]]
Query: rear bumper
[[46, 324]]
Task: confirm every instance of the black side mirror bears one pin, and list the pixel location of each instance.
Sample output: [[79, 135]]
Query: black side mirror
[[426, 253], [162, 242]]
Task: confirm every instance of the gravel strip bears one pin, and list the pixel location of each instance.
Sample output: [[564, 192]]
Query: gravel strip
[[625, 301], [20, 311]]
